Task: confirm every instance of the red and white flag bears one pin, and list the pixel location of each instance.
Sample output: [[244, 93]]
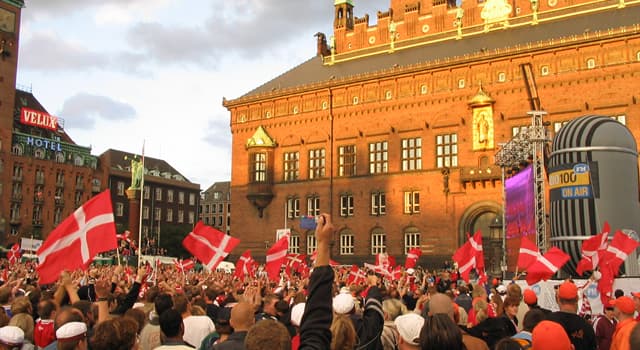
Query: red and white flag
[[385, 261], [546, 265], [591, 249], [465, 256], [209, 245], [618, 251], [245, 266], [183, 265], [126, 236], [356, 276], [296, 262], [412, 258], [14, 254], [276, 257], [476, 244], [528, 253], [78, 239]]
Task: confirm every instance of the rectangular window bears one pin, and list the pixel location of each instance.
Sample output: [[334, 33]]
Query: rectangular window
[[120, 188], [312, 244], [346, 244], [378, 157], [347, 160], [294, 244], [119, 209], [15, 212], [180, 197], [145, 212], [515, 130], [159, 194], [291, 166], [192, 217], [259, 167], [313, 206], [412, 154], [170, 196], [60, 179], [146, 192], [346, 205], [378, 243], [169, 215], [180, 216], [192, 199], [411, 240], [411, 202], [293, 208], [622, 119], [157, 215], [447, 150], [316, 163], [378, 203], [57, 216]]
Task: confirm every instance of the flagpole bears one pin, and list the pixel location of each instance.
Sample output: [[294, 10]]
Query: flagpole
[[118, 251], [141, 208], [285, 214]]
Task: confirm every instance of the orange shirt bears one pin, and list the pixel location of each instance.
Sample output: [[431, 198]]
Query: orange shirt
[[622, 334]]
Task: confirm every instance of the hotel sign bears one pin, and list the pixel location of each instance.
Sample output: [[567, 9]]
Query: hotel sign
[[39, 119]]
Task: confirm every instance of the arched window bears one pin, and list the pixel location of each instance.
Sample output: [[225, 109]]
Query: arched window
[[17, 149], [39, 153], [411, 239], [60, 157], [347, 240]]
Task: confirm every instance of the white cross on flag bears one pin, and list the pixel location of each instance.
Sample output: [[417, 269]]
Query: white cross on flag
[[209, 245], [591, 249], [78, 239], [245, 266], [546, 265], [276, 257], [412, 258], [528, 253]]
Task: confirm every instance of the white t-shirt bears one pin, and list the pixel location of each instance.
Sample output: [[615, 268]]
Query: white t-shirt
[[197, 328]]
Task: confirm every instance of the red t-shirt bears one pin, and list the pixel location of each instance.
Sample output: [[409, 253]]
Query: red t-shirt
[[43, 333]]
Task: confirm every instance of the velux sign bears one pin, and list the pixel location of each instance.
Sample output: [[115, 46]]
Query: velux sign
[[40, 119]]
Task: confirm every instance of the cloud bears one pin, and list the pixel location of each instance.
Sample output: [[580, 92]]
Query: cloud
[[82, 110], [218, 133]]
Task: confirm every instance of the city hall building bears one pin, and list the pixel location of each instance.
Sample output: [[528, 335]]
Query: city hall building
[[393, 127]]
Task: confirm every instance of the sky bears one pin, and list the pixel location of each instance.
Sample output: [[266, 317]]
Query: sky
[[123, 73]]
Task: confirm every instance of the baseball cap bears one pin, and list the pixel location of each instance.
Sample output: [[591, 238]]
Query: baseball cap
[[11, 335], [530, 297], [501, 289], [409, 327], [549, 335], [343, 303], [636, 294], [625, 305], [71, 331], [568, 291]]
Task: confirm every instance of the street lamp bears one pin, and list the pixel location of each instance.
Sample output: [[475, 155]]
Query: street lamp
[[496, 241]]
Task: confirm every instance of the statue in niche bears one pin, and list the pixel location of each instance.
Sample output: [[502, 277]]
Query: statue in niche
[[482, 129]]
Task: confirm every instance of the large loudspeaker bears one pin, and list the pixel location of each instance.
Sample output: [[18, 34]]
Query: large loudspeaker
[[593, 178]]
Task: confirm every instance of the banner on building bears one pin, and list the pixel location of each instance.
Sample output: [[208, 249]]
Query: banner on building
[[519, 212]]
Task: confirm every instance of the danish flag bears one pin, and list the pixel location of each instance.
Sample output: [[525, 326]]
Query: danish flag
[[245, 266], [611, 259], [276, 257], [412, 258], [209, 245], [296, 262], [126, 236], [591, 249], [546, 265], [356, 276], [14, 254], [183, 265], [78, 239], [465, 256], [528, 253], [476, 245]]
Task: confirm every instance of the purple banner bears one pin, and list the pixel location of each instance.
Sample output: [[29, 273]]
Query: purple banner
[[519, 212]]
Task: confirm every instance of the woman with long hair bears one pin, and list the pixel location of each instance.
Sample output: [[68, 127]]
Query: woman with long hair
[[440, 333], [343, 334]]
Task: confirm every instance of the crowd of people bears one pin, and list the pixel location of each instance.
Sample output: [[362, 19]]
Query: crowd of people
[[112, 307]]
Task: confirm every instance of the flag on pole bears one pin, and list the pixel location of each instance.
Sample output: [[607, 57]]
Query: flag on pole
[[14, 254], [528, 253], [183, 265], [591, 249], [546, 265], [476, 244], [276, 257], [78, 239], [618, 251], [356, 276], [412, 258], [209, 245], [245, 266], [465, 256]]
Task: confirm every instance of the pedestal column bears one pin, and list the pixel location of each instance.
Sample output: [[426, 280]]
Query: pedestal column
[[134, 213]]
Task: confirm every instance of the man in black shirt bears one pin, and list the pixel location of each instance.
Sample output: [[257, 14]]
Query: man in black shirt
[[580, 332]]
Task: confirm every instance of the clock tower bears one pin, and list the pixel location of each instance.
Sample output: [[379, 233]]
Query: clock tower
[[10, 11]]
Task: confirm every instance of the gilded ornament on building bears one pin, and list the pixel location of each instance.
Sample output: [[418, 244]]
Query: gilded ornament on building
[[495, 11], [483, 128]]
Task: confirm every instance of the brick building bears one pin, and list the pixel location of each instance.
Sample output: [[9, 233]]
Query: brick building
[[168, 198], [215, 206], [393, 127]]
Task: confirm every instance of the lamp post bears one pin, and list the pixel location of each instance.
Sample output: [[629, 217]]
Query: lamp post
[[496, 241]]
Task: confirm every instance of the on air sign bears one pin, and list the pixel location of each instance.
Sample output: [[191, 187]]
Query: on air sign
[[573, 181], [40, 119]]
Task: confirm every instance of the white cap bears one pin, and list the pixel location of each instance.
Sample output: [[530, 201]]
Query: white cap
[[296, 314], [501, 289], [11, 335], [343, 303], [409, 327], [410, 271], [71, 331]]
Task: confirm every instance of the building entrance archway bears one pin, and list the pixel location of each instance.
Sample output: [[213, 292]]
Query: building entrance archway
[[483, 216]]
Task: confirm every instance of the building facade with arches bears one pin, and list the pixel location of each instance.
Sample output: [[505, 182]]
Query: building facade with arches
[[393, 127]]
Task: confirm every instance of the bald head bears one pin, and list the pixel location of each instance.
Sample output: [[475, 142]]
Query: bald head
[[242, 316], [440, 304]]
